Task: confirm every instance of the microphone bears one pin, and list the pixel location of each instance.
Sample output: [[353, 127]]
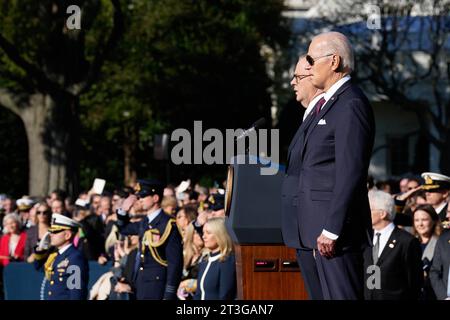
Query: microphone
[[258, 124]]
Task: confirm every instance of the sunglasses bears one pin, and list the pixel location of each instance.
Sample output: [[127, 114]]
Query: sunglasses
[[42, 212], [312, 60], [56, 231]]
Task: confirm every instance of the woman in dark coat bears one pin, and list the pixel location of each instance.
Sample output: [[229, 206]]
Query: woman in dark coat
[[38, 231], [217, 273]]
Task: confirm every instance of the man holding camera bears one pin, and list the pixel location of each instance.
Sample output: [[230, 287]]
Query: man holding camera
[[159, 260]]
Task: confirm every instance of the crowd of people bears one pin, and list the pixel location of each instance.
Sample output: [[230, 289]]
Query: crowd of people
[[411, 244], [177, 235], [163, 242]]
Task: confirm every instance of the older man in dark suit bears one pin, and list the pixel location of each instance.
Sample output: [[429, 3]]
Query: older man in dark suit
[[333, 216], [396, 254], [439, 272], [308, 96]]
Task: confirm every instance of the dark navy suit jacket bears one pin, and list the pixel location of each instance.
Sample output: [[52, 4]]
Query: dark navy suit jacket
[[151, 279], [440, 267], [401, 274], [216, 279], [325, 186]]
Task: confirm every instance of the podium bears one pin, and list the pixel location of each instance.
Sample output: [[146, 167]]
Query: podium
[[266, 269]]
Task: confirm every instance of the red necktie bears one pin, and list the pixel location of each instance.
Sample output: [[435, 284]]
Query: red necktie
[[319, 105]]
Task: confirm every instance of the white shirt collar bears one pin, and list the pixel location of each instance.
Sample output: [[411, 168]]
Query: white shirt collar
[[152, 215], [384, 237], [388, 229], [64, 249], [441, 206], [311, 105], [335, 87]]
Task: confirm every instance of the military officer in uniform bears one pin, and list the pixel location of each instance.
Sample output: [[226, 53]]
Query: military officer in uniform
[[437, 187], [65, 267], [159, 261]]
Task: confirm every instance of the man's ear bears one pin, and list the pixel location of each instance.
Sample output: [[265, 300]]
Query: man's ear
[[67, 235], [445, 194], [336, 63], [383, 215]]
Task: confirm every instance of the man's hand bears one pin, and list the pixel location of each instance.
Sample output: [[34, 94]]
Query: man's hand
[[202, 217], [407, 194], [122, 287], [325, 246], [102, 260], [128, 202]]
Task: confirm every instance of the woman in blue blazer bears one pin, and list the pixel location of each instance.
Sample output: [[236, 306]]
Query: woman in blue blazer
[[217, 273]]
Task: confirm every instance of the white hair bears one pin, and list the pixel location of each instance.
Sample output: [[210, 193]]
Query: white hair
[[12, 216], [339, 44], [380, 200]]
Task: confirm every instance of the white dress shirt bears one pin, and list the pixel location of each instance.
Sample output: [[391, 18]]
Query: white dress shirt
[[330, 92], [311, 105], [441, 206], [335, 87], [384, 237], [152, 215], [64, 249]]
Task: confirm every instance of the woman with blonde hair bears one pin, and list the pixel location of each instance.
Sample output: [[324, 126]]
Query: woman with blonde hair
[[193, 252], [217, 274], [39, 230]]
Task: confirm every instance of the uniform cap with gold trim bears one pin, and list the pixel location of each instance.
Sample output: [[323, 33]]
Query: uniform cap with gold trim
[[24, 203], [435, 181], [144, 188], [60, 222], [216, 202]]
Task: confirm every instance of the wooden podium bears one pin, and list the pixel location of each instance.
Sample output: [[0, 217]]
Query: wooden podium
[[266, 269]]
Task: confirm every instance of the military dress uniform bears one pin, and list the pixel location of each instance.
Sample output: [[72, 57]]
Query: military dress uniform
[[435, 182], [66, 269], [159, 260]]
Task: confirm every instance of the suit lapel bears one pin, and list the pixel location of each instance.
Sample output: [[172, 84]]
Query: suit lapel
[[325, 109], [390, 245], [298, 134]]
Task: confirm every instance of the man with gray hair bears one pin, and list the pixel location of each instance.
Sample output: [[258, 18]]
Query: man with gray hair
[[393, 265], [333, 214]]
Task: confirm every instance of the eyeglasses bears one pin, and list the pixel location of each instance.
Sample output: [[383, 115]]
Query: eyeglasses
[[311, 60], [299, 77], [42, 212]]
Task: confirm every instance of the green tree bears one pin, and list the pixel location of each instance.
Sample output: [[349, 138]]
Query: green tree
[[183, 61], [169, 63], [42, 77]]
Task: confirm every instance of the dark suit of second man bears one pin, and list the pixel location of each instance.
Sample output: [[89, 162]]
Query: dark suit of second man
[[333, 154]]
